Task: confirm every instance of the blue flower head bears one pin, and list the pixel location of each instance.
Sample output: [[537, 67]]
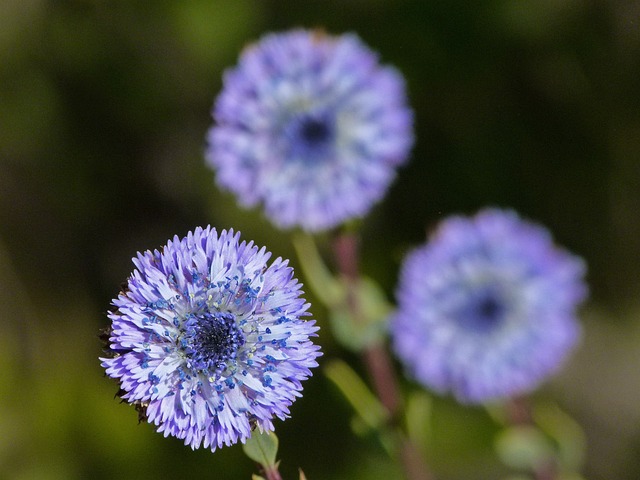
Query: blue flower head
[[209, 341], [310, 126], [486, 309]]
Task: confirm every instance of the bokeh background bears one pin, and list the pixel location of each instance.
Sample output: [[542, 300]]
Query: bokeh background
[[104, 106]]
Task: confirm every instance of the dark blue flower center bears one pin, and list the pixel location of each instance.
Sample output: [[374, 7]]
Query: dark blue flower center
[[211, 341], [314, 131], [483, 311], [310, 136]]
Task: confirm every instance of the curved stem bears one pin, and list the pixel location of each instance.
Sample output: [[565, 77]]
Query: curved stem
[[378, 362]]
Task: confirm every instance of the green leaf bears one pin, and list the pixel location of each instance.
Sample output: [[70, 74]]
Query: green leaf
[[358, 309], [523, 447], [318, 277], [262, 447], [364, 402], [360, 321], [257, 477], [565, 431], [418, 416]]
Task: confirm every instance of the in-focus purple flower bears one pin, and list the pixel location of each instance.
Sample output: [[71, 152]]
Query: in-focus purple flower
[[487, 308], [208, 340], [312, 127]]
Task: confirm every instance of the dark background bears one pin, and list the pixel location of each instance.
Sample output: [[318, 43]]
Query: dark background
[[104, 107]]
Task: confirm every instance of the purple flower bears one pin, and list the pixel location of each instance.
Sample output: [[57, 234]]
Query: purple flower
[[310, 126], [208, 341], [487, 308]]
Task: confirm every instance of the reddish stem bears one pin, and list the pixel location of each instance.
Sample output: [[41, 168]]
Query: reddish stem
[[272, 473], [519, 411], [375, 357], [384, 380], [377, 360]]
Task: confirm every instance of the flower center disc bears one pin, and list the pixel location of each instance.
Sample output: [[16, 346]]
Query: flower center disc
[[211, 341], [483, 312], [314, 131], [310, 136]]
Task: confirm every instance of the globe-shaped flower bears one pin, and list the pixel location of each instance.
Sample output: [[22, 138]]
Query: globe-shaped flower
[[208, 340], [310, 126], [486, 309]]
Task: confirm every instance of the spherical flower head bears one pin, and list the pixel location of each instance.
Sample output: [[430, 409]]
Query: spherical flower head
[[312, 127], [209, 341], [487, 308]]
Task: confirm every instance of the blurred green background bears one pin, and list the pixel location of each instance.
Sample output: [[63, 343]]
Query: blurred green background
[[104, 106]]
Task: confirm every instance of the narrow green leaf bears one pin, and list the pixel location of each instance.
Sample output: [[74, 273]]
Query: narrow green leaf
[[317, 275], [565, 431], [262, 447], [257, 477], [418, 418], [364, 402]]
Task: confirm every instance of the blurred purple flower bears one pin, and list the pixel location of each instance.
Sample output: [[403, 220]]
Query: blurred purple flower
[[486, 309], [311, 126], [208, 341]]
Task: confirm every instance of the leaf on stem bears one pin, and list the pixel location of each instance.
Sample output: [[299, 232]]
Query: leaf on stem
[[358, 308], [364, 402], [322, 283], [361, 320], [262, 447], [565, 431], [523, 447], [418, 418]]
